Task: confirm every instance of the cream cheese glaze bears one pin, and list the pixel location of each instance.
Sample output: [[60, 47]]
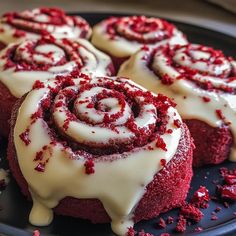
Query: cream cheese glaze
[[31, 24], [117, 36], [64, 173], [209, 68], [20, 63]]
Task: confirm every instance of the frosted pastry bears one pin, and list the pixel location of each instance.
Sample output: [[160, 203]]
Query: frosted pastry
[[32, 24], [102, 149], [202, 82], [30, 63], [121, 37]]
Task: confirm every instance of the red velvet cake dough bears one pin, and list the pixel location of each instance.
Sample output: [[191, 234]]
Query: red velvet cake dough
[[121, 37], [27, 64], [65, 141], [32, 24], [202, 82]]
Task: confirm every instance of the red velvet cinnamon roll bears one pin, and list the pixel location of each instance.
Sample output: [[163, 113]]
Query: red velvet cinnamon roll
[[202, 82], [32, 24], [101, 149], [121, 37], [34, 61]]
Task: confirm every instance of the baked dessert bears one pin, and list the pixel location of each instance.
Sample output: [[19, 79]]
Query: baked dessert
[[101, 149], [27, 64], [31, 24], [202, 82], [121, 37]]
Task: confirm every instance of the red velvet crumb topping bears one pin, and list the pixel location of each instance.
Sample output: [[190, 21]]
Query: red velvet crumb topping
[[131, 232], [160, 143], [181, 224], [25, 137], [191, 212], [38, 84], [89, 167], [206, 99], [201, 197], [161, 223], [40, 167], [177, 123]]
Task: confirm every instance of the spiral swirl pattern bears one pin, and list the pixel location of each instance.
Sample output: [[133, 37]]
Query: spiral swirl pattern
[[201, 80], [130, 33], [75, 136], [25, 63], [206, 67], [140, 28], [32, 24], [106, 113]]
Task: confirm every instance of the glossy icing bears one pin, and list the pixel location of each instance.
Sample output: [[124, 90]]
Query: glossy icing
[[122, 40], [206, 65], [31, 24], [46, 60], [64, 173]]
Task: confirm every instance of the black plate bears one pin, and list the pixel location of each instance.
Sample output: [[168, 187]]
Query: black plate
[[14, 215]]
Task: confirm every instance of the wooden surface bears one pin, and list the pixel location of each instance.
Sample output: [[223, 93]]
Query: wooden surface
[[198, 12]]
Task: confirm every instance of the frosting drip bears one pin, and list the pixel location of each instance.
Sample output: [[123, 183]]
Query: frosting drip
[[22, 64], [200, 79], [125, 35], [71, 159], [32, 24]]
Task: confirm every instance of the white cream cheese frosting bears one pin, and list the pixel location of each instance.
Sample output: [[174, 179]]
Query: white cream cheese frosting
[[122, 37], [64, 171], [161, 73], [31, 24], [20, 63]]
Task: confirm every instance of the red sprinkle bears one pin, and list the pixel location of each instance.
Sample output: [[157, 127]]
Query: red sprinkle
[[219, 113], [161, 223], [167, 80], [181, 224], [206, 99], [90, 105], [177, 123], [163, 162], [39, 156], [59, 104], [145, 48], [38, 84], [189, 211], [40, 167], [89, 167], [131, 232], [229, 192], [201, 197], [19, 33], [160, 143], [25, 137], [142, 233], [230, 179], [169, 131]]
